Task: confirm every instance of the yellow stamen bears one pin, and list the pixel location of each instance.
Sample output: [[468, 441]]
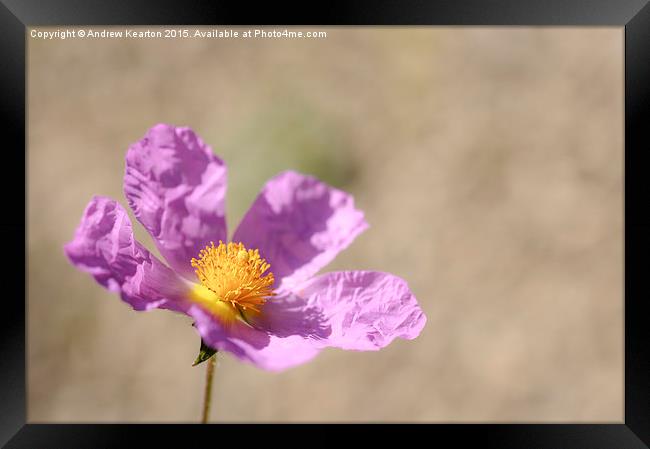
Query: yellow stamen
[[235, 276]]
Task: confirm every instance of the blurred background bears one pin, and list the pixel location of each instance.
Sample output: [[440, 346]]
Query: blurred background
[[488, 162]]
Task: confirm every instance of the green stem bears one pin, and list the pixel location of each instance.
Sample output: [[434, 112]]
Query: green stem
[[207, 396]]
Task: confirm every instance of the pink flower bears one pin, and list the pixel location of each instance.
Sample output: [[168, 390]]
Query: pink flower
[[258, 298]]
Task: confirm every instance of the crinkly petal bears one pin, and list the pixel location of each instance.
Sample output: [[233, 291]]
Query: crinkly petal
[[251, 345], [283, 353], [354, 310], [363, 310], [299, 224], [176, 187], [104, 247]]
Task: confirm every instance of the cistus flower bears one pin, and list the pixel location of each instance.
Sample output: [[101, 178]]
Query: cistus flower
[[257, 296]]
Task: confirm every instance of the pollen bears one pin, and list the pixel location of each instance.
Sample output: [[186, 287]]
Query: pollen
[[236, 275]]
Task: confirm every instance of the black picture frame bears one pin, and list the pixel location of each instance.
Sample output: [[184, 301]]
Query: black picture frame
[[634, 15]]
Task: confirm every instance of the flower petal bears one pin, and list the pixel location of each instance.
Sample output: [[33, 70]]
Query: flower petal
[[354, 310], [299, 224], [176, 187], [251, 345], [104, 246], [364, 310]]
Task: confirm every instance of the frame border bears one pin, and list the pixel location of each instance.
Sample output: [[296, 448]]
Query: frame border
[[634, 15]]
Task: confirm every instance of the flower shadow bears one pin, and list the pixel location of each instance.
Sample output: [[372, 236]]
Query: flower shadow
[[292, 315]]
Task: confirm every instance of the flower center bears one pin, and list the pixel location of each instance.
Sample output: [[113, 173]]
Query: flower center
[[235, 275]]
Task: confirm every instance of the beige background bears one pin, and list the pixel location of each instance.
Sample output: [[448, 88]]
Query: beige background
[[488, 162]]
